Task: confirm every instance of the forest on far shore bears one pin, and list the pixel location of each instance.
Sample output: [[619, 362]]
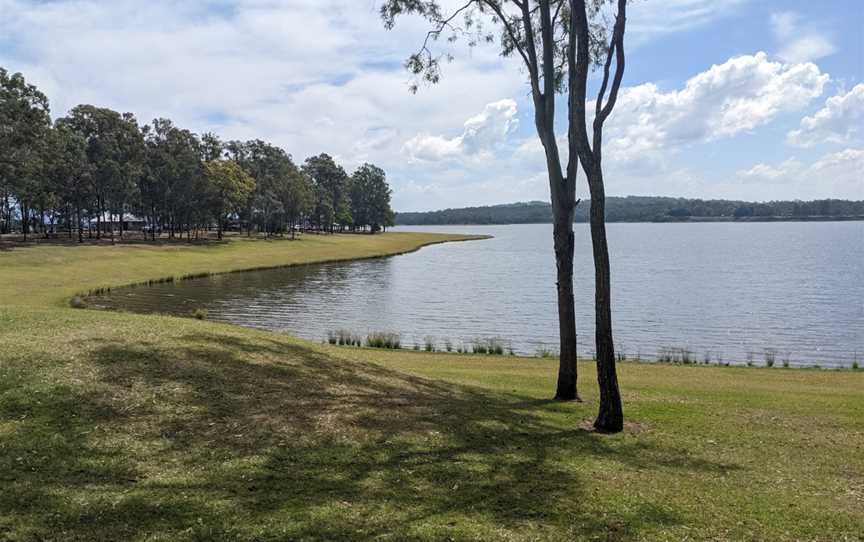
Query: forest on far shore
[[646, 209]]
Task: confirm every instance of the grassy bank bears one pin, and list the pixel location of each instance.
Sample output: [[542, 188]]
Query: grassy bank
[[126, 427]]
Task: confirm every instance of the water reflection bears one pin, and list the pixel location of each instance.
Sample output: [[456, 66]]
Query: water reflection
[[728, 292]]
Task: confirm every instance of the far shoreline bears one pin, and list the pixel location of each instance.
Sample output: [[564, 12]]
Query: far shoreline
[[691, 220]]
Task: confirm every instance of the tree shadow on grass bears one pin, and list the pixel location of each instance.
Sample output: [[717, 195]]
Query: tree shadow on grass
[[223, 437]]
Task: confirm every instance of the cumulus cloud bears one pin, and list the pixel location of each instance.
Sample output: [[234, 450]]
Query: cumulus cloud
[[739, 95], [481, 134], [799, 44], [840, 121], [324, 76], [836, 174]]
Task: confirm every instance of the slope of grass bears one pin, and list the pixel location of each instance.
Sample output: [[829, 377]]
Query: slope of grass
[[127, 427], [40, 274]]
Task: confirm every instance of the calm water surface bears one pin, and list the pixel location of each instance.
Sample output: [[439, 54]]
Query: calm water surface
[[728, 291]]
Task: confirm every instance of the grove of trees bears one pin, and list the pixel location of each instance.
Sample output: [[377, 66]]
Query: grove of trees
[[87, 172]]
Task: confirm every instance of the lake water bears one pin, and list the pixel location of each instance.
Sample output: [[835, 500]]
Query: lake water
[[731, 292]]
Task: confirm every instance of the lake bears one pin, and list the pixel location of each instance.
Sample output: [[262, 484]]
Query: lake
[[728, 292]]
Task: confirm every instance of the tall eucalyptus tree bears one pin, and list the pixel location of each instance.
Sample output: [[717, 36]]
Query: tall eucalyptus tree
[[557, 41], [24, 126]]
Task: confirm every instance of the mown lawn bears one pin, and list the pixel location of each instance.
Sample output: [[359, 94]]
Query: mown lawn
[[127, 427]]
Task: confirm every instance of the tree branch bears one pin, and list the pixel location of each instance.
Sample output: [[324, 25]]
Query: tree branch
[[616, 47], [548, 40], [512, 33], [444, 23], [578, 62], [533, 66]]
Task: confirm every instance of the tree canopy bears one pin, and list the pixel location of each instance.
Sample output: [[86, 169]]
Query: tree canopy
[[94, 169]]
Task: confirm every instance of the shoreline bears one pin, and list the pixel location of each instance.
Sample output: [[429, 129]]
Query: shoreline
[[691, 220]]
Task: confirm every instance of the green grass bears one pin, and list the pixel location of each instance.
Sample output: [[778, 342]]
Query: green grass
[[116, 426]]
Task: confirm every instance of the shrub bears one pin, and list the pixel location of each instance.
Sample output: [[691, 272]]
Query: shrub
[[199, 314], [429, 343], [855, 365]]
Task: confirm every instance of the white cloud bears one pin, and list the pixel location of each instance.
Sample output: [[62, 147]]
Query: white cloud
[[650, 127], [840, 121], [799, 44], [737, 96], [481, 134], [324, 76], [647, 19], [837, 174]]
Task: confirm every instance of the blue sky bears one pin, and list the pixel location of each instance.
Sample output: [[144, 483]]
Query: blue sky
[[749, 99]]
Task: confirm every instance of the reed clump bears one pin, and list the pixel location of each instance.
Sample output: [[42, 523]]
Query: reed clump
[[344, 337], [543, 352], [384, 339], [492, 347], [683, 356]]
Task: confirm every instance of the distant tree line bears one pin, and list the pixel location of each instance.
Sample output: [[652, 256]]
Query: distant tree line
[[645, 209], [88, 172]]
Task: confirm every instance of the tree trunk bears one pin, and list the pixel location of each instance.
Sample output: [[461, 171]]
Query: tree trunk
[[78, 215], [98, 219], [564, 243], [24, 222], [610, 417]]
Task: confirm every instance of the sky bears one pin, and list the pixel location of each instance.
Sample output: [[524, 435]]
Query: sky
[[740, 99]]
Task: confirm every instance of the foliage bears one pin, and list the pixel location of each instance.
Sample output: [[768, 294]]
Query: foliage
[[96, 165], [230, 186], [640, 209], [331, 189], [370, 198], [24, 124]]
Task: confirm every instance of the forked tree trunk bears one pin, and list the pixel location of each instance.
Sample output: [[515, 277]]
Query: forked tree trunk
[[610, 416]]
